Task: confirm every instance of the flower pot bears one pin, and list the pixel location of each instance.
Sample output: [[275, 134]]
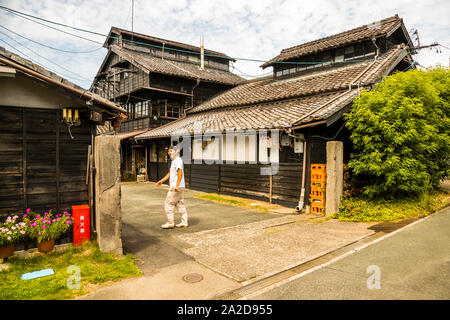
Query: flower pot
[[46, 246], [7, 251]]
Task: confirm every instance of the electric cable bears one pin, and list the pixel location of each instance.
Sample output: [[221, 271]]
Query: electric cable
[[32, 59], [47, 46], [25, 15], [50, 61]]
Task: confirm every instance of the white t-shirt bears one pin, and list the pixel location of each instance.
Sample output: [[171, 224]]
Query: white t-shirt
[[176, 164]]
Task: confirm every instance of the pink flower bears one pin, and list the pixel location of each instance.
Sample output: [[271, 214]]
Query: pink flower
[[54, 220], [43, 227], [28, 210], [58, 219], [38, 216], [25, 215], [39, 233], [9, 238], [22, 232]]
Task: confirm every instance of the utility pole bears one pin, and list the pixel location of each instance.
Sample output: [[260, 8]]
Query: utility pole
[[132, 15], [202, 53]]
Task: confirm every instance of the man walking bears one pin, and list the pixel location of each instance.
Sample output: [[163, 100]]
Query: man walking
[[175, 196]]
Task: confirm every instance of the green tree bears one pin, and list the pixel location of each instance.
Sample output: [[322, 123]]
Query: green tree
[[400, 133]]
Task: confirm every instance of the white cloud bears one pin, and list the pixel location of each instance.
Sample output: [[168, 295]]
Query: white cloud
[[239, 28]]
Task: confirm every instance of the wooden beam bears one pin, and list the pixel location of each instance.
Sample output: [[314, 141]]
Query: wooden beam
[[24, 160], [58, 125]]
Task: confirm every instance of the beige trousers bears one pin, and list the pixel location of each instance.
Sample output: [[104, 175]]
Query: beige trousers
[[175, 199]]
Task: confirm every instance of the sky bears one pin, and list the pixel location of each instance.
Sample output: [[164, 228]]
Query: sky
[[257, 29]]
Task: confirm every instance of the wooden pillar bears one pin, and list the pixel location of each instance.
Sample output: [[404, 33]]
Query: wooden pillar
[[24, 159], [58, 129], [146, 161], [133, 160], [270, 187]]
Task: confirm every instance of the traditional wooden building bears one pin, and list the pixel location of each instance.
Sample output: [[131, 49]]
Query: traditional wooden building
[[156, 81], [312, 86], [47, 126]]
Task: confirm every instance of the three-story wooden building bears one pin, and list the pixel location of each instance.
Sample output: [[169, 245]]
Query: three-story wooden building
[[156, 81]]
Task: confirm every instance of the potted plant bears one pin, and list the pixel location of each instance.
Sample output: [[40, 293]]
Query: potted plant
[[47, 228], [11, 232]]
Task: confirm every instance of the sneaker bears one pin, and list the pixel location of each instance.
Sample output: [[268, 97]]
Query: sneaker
[[182, 225], [167, 226]]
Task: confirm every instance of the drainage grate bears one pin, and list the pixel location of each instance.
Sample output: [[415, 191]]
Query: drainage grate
[[192, 277]]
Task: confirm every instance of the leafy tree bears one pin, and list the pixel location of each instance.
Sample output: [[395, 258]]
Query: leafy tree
[[400, 132]]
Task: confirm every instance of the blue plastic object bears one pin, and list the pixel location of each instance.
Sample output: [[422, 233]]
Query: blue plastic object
[[38, 274]]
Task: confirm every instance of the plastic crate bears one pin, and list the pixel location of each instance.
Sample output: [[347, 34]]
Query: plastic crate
[[318, 184], [318, 210], [318, 173], [318, 202], [317, 192], [319, 166]]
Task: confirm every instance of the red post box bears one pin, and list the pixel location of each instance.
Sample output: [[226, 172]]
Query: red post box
[[81, 224]]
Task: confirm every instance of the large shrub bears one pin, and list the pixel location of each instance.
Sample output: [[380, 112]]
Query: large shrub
[[400, 132]]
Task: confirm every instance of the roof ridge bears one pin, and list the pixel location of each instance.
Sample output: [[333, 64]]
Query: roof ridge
[[301, 86], [363, 27], [154, 64], [162, 40], [360, 33]]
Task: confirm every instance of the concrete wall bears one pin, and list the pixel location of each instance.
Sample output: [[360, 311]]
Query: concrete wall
[[107, 193], [335, 176]]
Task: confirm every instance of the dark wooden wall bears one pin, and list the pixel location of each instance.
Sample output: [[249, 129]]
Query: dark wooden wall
[[245, 180], [204, 177], [41, 167]]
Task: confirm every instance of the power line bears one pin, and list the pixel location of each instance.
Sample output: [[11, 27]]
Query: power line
[[251, 76], [47, 46], [43, 24], [32, 59], [21, 14], [80, 77]]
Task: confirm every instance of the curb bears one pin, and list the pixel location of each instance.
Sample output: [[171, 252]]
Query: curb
[[263, 285]]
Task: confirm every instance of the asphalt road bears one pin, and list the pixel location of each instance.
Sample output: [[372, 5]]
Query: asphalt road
[[413, 263]]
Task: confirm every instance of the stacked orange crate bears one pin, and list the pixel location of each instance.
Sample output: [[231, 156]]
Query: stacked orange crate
[[318, 187]]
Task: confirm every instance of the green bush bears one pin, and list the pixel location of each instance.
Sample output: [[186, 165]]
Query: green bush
[[362, 209], [400, 133]]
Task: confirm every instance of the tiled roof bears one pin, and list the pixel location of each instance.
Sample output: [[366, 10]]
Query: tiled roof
[[75, 88], [282, 104], [267, 90], [281, 114], [369, 31], [166, 42], [169, 67]]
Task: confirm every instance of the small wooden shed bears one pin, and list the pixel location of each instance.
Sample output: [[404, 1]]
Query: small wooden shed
[[47, 125]]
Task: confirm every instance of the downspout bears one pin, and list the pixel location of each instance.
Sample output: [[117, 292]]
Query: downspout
[[192, 96], [301, 201]]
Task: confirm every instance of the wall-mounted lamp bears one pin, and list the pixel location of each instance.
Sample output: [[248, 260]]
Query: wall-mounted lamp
[[70, 117]]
